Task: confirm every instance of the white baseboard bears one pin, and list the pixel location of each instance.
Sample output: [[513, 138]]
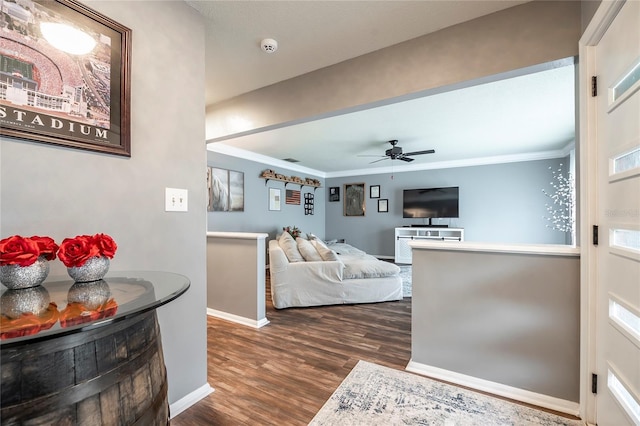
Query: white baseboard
[[237, 319], [182, 404], [540, 400]]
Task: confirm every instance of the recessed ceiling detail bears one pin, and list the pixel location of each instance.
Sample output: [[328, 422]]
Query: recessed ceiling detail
[[528, 114]]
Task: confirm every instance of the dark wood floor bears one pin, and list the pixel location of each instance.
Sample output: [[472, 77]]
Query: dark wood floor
[[282, 373]]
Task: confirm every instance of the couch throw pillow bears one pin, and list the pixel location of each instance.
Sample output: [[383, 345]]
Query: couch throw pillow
[[307, 250], [326, 253], [290, 248], [317, 242]]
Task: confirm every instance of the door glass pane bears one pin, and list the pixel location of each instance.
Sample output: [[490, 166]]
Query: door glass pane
[[626, 319], [627, 82], [624, 397], [627, 239], [628, 161]]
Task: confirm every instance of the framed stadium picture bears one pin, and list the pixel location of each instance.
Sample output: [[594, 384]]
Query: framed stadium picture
[[65, 76]]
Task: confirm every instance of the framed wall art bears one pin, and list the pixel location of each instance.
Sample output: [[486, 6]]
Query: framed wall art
[[226, 190], [71, 94], [383, 205], [308, 203], [274, 199], [292, 196], [354, 199], [334, 193], [374, 191]]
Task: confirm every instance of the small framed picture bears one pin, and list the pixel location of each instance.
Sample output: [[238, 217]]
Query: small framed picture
[[334, 193], [374, 191], [274, 199], [383, 206]]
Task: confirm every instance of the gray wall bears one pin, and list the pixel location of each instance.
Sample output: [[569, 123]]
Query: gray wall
[[256, 216], [510, 318], [519, 37], [498, 203], [236, 276], [63, 192]]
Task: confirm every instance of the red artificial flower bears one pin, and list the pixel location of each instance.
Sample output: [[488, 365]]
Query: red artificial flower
[[106, 245], [48, 247], [76, 251], [17, 250]]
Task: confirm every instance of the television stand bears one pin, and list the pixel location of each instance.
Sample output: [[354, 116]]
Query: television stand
[[429, 225], [439, 233]]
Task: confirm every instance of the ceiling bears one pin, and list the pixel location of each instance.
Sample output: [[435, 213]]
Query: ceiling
[[530, 115]]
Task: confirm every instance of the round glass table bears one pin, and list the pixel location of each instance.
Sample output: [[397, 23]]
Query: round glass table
[[86, 353]]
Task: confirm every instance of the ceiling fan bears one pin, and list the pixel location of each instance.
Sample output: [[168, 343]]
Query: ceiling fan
[[395, 153]]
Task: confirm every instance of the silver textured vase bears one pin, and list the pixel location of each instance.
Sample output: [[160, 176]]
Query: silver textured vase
[[91, 294], [34, 300], [16, 277], [94, 269]]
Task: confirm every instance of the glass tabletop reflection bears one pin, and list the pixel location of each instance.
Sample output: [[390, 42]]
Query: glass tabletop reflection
[[62, 306]]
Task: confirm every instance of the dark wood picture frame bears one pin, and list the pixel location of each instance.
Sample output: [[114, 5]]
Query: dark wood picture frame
[[354, 199], [383, 205], [73, 100], [374, 191]]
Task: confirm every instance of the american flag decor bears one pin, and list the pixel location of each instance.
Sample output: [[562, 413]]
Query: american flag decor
[[292, 196]]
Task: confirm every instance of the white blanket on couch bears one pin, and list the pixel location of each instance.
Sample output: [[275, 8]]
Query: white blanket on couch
[[359, 264]]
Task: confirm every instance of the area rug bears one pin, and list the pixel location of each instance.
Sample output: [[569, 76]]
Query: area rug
[[405, 274], [376, 395]]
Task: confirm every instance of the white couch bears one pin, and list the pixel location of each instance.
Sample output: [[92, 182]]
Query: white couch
[[355, 277]]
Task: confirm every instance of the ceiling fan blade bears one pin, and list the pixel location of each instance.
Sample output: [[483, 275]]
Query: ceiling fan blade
[[365, 155], [407, 159], [382, 159], [428, 151]]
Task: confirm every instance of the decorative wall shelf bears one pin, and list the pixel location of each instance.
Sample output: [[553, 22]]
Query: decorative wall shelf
[[268, 175]]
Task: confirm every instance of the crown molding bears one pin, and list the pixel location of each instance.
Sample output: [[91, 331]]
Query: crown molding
[[221, 148]]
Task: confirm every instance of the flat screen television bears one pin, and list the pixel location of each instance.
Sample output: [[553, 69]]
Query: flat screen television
[[430, 202]]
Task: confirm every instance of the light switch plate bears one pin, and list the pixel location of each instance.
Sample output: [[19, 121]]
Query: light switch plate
[[176, 200]]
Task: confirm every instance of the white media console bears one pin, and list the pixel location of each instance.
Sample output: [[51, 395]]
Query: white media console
[[406, 234]]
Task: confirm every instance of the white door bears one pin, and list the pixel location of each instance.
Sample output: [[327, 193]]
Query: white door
[[617, 64]]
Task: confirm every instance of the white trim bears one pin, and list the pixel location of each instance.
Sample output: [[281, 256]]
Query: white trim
[[522, 395], [190, 399], [535, 249], [602, 19], [588, 217], [470, 162], [238, 235], [232, 151], [237, 318]]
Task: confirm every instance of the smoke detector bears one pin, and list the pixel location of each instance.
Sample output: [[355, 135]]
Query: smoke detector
[[269, 45]]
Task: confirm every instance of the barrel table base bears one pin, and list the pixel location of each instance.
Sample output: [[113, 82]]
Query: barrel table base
[[111, 375]]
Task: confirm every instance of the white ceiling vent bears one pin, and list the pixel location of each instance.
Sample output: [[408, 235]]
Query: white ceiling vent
[[269, 45]]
